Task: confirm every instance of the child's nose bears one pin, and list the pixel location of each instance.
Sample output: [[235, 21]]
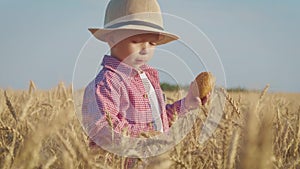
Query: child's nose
[[145, 45], [144, 51], [145, 48]]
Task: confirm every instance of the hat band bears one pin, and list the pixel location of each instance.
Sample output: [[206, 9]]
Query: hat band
[[139, 23]]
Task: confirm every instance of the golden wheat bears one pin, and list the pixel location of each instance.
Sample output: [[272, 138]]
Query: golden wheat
[[39, 129]]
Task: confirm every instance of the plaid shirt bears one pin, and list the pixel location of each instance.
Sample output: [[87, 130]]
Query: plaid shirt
[[118, 92]]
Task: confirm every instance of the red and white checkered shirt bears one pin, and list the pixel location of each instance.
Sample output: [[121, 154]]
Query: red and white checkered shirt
[[119, 91]]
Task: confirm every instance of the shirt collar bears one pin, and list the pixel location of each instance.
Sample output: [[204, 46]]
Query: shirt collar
[[123, 69]]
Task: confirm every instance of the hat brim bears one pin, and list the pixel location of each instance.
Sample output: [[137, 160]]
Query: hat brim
[[100, 33]]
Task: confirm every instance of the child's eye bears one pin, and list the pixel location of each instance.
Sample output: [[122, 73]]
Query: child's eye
[[136, 40], [153, 43]]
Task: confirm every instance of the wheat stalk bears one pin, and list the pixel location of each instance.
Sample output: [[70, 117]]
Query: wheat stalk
[[10, 107], [17, 139], [233, 149], [50, 162], [232, 102], [31, 88]]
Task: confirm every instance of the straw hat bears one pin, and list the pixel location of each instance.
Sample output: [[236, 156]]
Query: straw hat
[[136, 16]]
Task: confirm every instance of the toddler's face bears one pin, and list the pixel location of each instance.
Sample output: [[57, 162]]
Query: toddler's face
[[136, 50]]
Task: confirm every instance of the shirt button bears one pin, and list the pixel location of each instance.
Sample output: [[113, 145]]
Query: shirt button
[[145, 95]]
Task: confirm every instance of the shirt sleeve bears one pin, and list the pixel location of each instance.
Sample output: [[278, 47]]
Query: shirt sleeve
[[108, 94], [107, 118]]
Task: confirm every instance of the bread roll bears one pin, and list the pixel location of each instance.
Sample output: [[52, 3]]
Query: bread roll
[[206, 83]]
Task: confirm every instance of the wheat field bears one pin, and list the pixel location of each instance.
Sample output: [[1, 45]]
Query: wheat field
[[258, 130]]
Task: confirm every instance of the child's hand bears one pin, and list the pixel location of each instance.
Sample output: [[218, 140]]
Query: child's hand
[[192, 99]]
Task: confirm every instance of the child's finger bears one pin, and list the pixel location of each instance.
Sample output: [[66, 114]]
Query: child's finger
[[194, 88], [205, 99]]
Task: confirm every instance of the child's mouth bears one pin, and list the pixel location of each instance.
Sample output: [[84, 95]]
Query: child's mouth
[[139, 61]]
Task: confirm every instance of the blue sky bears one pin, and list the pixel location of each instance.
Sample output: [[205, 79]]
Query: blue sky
[[257, 41]]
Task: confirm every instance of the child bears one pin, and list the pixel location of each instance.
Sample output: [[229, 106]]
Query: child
[[126, 94]]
